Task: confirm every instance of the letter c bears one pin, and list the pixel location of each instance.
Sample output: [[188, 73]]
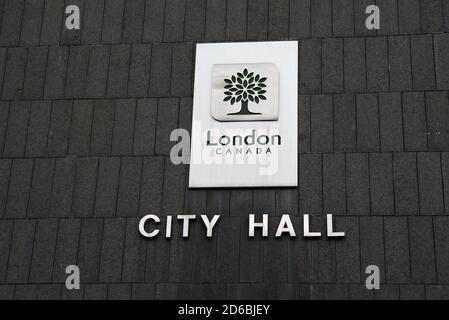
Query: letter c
[[142, 226]]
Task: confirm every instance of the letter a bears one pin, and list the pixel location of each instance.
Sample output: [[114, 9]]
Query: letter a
[[373, 21], [73, 280], [373, 280], [73, 20]]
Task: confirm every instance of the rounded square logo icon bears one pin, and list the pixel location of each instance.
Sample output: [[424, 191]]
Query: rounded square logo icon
[[245, 92]]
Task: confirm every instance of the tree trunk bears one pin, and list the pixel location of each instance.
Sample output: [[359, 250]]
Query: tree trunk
[[243, 110]]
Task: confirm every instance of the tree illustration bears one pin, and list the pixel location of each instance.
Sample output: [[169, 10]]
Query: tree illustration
[[245, 87]]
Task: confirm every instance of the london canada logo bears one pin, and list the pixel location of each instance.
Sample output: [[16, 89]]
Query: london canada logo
[[245, 87]]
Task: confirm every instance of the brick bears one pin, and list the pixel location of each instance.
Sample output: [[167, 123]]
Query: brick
[[367, 110], [139, 72], [439, 292], [431, 13], [63, 185], [166, 291], [32, 21], [275, 256], [72, 37], [154, 21], [377, 64], [412, 292], [360, 18], [129, 187], [405, 184], [240, 202], [236, 19], [400, 63], [397, 250], [300, 19], [182, 252], [6, 229], [357, 184], [422, 63], [52, 22], [16, 133], [389, 20], [123, 134], [134, 254], [415, 127], [334, 184], [14, 73], [145, 127], [66, 252], [321, 123], [107, 186], [167, 121], [437, 107], [323, 257], [310, 178], [442, 61], [143, 291], [133, 21], [102, 126], [173, 189], [391, 131], [43, 251], [89, 252], [347, 252], [81, 127], [409, 19], [251, 255], [278, 19], [41, 184], [5, 171], [310, 67], [85, 184], [343, 18], [12, 21], [158, 252], [345, 135], [321, 18], [381, 184], [118, 71], [422, 251], [95, 292], [119, 291], [92, 22], [372, 248], [430, 184], [160, 70], [355, 65], [181, 77], [59, 131], [112, 250], [38, 128], [304, 133], [113, 21], [257, 28], [56, 72], [21, 251], [440, 225], [97, 72], [174, 21], [332, 71], [19, 187], [215, 20], [75, 86], [151, 185]]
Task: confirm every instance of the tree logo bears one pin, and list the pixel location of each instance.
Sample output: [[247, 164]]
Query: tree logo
[[245, 87]]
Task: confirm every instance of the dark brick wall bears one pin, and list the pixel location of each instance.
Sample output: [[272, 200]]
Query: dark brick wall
[[85, 118]]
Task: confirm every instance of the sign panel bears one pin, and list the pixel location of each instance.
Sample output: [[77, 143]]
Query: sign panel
[[244, 129]]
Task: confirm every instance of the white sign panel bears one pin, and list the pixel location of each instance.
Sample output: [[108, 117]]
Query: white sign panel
[[244, 130]]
